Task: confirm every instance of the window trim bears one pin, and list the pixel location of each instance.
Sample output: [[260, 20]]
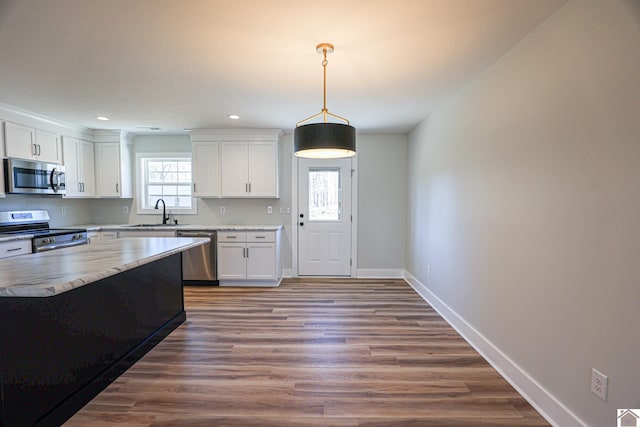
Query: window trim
[[139, 170]]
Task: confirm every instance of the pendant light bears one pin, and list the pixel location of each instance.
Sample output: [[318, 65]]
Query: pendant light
[[324, 140]]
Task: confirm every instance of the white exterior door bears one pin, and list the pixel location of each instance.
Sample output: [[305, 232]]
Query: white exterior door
[[324, 217]]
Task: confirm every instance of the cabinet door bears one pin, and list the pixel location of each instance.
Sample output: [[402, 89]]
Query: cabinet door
[[231, 261], [234, 169], [261, 261], [48, 146], [206, 172], [86, 168], [13, 248], [19, 141], [108, 169], [263, 169], [71, 163]]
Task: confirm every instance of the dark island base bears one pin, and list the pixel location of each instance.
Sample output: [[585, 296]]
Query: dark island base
[[59, 352]]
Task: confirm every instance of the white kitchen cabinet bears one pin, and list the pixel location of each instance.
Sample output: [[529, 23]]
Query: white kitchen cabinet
[[80, 167], [29, 143], [249, 169], [113, 170], [49, 149], [206, 169], [235, 162], [15, 247], [249, 258]]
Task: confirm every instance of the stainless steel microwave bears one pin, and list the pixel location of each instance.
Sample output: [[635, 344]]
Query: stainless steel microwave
[[31, 177]]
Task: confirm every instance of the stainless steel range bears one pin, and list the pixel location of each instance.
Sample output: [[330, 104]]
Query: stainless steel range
[[37, 223]]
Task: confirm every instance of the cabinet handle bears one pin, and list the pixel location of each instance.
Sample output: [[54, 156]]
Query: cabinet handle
[[34, 150], [39, 149], [249, 187], [117, 188], [247, 252], [13, 249], [261, 237], [231, 237], [83, 187], [194, 187], [246, 187]]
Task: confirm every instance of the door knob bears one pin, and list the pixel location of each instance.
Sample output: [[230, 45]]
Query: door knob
[[301, 224]]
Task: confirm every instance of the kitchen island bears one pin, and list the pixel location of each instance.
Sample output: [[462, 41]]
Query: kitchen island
[[72, 320]]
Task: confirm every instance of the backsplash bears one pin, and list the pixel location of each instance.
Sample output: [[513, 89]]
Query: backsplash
[[76, 211]]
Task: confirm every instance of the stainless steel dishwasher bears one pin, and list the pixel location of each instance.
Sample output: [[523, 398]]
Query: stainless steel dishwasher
[[199, 264]]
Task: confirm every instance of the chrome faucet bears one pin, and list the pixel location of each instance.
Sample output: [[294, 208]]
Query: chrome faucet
[[165, 218]]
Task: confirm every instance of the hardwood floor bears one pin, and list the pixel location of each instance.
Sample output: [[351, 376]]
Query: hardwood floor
[[314, 352]]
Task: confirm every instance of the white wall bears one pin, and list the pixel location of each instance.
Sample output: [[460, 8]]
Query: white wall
[[523, 196]]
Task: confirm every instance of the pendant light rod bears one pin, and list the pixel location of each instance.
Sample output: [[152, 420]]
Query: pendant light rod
[[324, 49]]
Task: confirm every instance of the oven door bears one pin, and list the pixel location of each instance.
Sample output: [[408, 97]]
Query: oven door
[[28, 177]]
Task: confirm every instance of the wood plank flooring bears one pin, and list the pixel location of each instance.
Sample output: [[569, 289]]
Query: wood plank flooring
[[312, 352]]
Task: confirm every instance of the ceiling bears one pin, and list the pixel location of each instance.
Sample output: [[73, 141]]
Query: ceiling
[[177, 64]]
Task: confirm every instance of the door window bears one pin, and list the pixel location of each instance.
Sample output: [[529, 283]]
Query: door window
[[324, 194]]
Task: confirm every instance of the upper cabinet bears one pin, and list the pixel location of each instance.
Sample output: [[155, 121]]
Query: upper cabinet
[[206, 169], [235, 163], [249, 169], [29, 143], [80, 167], [113, 161]]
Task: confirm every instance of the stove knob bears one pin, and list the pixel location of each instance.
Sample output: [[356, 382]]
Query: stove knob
[[52, 239]]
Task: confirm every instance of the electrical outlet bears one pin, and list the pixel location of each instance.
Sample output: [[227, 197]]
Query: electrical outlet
[[285, 211], [599, 384], [269, 210], [223, 210], [63, 210], [125, 209]]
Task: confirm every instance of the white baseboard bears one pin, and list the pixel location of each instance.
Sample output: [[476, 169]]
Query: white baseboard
[[544, 402], [380, 273]]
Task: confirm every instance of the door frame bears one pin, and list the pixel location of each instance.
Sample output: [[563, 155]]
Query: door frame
[[294, 216]]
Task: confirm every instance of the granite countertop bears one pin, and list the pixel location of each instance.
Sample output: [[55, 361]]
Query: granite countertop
[[51, 273], [14, 237], [129, 227]]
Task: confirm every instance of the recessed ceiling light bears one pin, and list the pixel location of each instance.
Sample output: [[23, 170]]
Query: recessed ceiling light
[[104, 118], [234, 116]]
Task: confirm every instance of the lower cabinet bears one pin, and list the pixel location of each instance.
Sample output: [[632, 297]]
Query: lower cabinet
[[15, 247], [249, 258]]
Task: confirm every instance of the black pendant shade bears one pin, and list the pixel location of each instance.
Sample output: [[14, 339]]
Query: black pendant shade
[[324, 140]]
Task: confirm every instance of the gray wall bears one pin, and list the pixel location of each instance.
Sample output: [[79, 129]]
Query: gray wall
[[523, 197], [382, 178], [381, 200]]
